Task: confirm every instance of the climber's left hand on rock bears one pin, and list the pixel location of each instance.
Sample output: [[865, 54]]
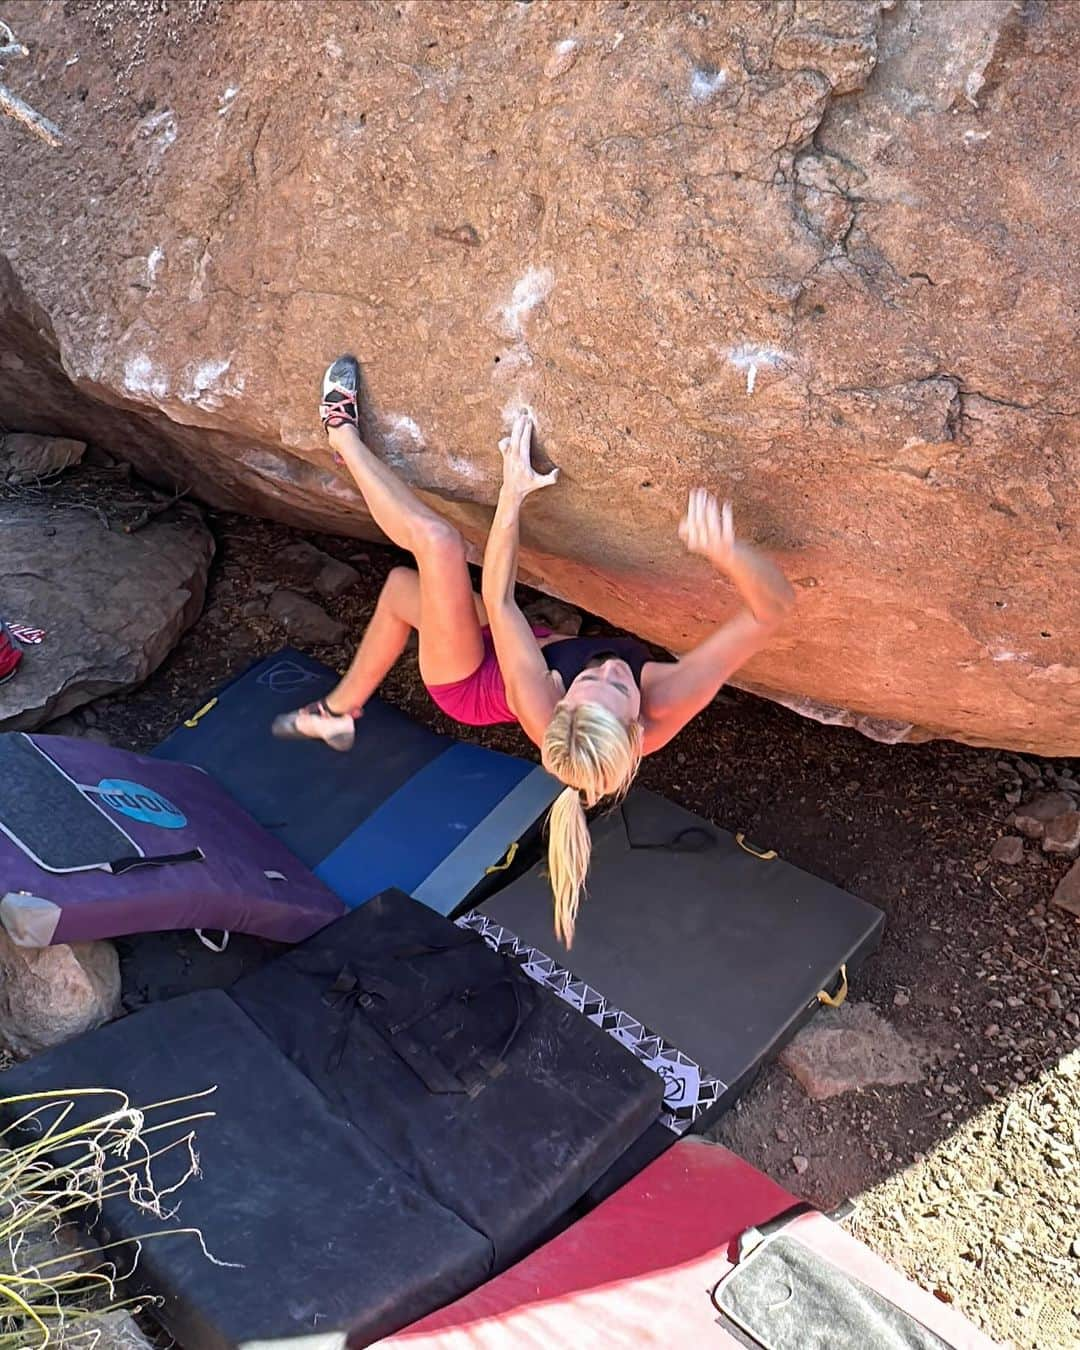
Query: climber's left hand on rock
[[519, 476]]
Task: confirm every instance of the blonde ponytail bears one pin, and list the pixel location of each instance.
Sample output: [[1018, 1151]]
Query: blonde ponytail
[[569, 849], [596, 756]]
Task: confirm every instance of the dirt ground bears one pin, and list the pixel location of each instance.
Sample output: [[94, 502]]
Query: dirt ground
[[968, 1180]]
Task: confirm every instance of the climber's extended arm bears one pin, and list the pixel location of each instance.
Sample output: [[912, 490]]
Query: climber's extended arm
[[530, 689], [673, 694]]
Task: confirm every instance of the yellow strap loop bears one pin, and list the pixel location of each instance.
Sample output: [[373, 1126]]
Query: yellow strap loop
[[511, 854], [195, 718], [766, 856], [834, 1000]]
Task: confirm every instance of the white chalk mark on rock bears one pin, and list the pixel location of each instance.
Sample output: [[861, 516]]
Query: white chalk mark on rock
[[154, 260], [463, 468], [206, 385], [529, 291], [403, 432], [161, 130], [227, 99], [705, 83], [561, 59], [140, 377], [751, 358], [517, 405]]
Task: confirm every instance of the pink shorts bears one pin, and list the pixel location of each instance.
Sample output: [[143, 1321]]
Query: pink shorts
[[479, 700]]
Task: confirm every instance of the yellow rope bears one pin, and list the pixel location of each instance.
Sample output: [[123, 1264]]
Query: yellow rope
[[765, 856], [511, 854], [834, 1000], [196, 717]]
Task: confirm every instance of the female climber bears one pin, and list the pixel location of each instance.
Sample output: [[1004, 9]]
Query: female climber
[[594, 705]]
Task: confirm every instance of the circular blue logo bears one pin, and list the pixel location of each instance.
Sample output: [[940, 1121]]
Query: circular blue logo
[[140, 803]]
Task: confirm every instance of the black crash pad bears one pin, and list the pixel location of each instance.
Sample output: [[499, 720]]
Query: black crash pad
[[486, 1088], [400, 1113], [330, 1236], [699, 955]]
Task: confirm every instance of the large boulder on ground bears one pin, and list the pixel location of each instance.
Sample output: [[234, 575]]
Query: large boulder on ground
[[818, 254], [112, 604]]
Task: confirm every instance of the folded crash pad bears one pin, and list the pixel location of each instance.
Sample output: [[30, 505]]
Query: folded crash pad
[[399, 1113], [405, 807], [699, 1250], [312, 1228], [700, 955], [96, 842], [486, 1088]]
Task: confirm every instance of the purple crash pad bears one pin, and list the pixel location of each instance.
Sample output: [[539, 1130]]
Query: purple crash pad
[[97, 842]]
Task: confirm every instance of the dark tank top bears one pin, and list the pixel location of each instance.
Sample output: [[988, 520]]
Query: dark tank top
[[571, 656]]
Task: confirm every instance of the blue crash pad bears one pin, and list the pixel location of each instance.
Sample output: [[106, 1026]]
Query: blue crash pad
[[405, 807]]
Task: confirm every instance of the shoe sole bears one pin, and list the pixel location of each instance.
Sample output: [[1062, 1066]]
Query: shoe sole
[[345, 371], [285, 730]]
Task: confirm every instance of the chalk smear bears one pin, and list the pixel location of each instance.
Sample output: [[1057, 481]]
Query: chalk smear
[[750, 358], [142, 377], [529, 291], [705, 83]]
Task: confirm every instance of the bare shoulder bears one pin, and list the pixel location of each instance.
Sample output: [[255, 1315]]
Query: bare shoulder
[[654, 673]]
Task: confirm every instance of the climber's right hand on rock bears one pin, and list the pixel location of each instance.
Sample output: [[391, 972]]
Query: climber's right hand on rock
[[708, 529], [519, 476]]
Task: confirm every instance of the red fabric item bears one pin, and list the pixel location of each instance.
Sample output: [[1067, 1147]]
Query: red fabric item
[[639, 1270], [10, 654]]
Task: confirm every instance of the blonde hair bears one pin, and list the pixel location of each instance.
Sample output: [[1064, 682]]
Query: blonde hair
[[596, 755]]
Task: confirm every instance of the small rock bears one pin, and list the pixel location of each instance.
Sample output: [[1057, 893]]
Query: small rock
[[1062, 835], [1074, 1248], [901, 1000], [1033, 817], [304, 620], [800, 1163], [50, 994], [1067, 895], [1009, 850], [300, 562], [1029, 771], [253, 609], [782, 1135], [114, 1331], [25, 458], [847, 1048], [1013, 796], [335, 578]]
